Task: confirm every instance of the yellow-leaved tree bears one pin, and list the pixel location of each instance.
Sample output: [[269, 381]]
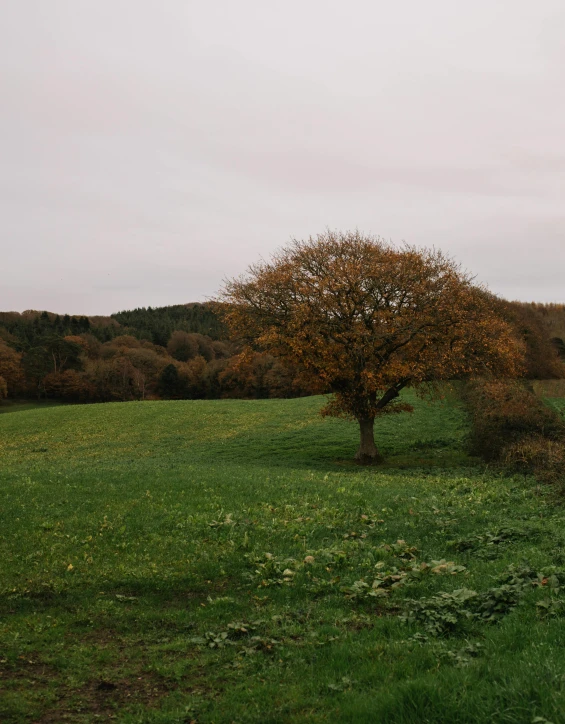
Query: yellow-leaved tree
[[10, 370], [363, 319]]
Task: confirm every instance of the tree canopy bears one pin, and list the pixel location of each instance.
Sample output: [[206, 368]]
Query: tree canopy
[[363, 319]]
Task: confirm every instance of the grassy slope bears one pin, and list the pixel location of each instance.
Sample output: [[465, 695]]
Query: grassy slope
[[138, 538]]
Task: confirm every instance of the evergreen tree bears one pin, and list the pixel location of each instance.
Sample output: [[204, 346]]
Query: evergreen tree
[[170, 382]]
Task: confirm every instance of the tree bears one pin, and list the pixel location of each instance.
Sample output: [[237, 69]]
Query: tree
[[541, 359], [182, 346], [51, 354], [10, 369], [70, 384], [363, 319], [113, 379], [169, 382]]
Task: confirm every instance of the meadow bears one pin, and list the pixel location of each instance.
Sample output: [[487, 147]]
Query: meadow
[[225, 561]]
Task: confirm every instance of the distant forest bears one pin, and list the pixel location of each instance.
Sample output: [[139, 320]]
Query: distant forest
[[175, 352], [183, 352]]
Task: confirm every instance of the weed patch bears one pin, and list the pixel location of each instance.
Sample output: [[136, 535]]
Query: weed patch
[[450, 613], [493, 544]]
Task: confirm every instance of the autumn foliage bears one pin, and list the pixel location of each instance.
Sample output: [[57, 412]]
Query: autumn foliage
[[184, 352], [537, 326], [77, 359], [10, 370], [363, 319], [513, 426], [504, 413]]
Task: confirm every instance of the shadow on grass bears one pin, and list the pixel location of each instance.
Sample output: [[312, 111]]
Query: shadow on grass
[[288, 450], [126, 591], [23, 405]]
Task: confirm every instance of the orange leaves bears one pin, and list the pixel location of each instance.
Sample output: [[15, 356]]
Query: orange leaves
[[364, 318], [10, 368]]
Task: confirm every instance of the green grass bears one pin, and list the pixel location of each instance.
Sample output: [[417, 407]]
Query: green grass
[[558, 403], [152, 570]]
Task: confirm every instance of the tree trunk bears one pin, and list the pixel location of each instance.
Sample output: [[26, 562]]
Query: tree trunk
[[367, 453]]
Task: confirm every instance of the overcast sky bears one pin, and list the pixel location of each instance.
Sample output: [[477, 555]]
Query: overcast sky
[[150, 148]]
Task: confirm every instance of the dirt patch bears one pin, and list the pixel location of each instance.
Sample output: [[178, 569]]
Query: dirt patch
[[28, 669], [102, 637], [102, 696], [105, 697]]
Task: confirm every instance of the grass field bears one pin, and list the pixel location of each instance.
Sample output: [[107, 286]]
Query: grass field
[[224, 561]]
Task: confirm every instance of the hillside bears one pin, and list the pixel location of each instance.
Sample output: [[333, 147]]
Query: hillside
[[220, 561], [168, 352], [155, 324], [158, 323]]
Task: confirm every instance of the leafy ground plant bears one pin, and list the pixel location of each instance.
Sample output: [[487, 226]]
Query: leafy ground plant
[[222, 561]]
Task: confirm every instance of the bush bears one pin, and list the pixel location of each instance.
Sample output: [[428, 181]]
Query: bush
[[505, 413], [511, 425], [539, 456]]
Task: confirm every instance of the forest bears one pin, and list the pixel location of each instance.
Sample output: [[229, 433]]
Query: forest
[[175, 352], [184, 352]]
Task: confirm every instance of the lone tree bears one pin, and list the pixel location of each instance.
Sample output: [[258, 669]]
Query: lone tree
[[363, 319]]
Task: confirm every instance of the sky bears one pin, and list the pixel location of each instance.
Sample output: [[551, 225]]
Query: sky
[[149, 149]]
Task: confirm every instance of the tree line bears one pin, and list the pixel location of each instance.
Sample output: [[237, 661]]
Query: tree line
[[184, 352], [178, 352]]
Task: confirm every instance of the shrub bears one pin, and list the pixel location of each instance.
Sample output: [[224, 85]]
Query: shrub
[[504, 414], [539, 456]]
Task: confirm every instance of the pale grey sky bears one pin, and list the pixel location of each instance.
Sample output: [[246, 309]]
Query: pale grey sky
[[149, 148]]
